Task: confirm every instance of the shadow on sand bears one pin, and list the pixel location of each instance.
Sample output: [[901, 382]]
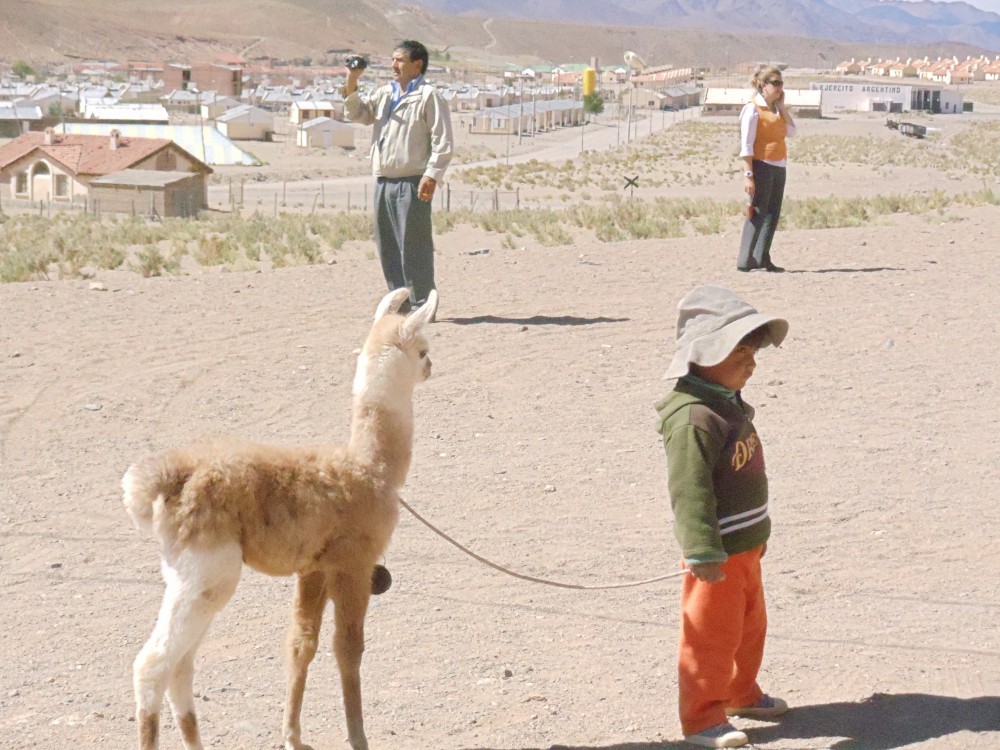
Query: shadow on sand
[[872, 269], [886, 721], [881, 722], [534, 320]]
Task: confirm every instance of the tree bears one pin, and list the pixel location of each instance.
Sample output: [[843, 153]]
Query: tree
[[593, 103], [22, 70]]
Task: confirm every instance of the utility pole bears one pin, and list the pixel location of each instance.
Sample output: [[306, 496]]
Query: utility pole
[[520, 111]]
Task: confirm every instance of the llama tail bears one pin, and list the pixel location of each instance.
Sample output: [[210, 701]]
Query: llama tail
[[146, 485]]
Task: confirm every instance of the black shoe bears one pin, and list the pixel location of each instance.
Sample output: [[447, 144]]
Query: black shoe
[[745, 270], [771, 268], [381, 580]]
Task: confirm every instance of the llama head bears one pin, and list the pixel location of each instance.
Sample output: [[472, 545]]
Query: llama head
[[396, 350]]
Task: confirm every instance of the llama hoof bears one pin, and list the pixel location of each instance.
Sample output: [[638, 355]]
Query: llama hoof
[[381, 580]]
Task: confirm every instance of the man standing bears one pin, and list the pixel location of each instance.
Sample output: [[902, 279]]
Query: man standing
[[411, 147]]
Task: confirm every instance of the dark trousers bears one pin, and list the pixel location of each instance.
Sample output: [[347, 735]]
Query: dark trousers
[[403, 236], [758, 232]]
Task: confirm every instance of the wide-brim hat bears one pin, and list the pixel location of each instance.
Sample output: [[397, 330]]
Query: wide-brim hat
[[711, 322]]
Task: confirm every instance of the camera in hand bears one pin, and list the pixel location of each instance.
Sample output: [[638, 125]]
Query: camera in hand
[[357, 62]]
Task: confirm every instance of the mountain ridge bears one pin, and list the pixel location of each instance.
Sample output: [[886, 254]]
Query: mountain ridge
[[889, 21], [50, 32]]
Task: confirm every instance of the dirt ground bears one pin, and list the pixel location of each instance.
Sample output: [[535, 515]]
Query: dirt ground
[[536, 447]]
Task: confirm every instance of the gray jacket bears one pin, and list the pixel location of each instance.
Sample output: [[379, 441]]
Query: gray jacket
[[415, 140]]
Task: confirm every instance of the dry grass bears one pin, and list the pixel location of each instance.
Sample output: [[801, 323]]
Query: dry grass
[[688, 155], [32, 248]]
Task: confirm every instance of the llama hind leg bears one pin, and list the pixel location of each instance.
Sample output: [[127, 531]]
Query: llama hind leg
[[350, 596], [180, 694], [300, 648], [199, 583]]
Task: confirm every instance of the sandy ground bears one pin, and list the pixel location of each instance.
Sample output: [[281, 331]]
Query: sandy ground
[[536, 447]]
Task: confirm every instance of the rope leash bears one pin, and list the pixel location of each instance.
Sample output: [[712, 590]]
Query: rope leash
[[533, 579]]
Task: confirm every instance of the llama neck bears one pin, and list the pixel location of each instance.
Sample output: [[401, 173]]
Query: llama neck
[[382, 438]]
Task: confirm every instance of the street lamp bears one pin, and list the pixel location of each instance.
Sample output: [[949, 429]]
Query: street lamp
[[635, 63]]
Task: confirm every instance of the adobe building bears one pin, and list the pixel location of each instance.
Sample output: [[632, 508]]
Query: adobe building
[[225, 79], [63, 169]]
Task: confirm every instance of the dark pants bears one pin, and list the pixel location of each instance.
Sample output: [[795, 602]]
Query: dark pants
[[758, 232], [403, 236]]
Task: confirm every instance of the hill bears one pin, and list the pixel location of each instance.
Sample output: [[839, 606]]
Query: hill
[[47, 32], [891, 21]]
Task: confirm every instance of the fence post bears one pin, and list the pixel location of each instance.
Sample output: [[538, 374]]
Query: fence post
[[447, 200], [284, 193], [517, 197], [322, 193], [348, 201]]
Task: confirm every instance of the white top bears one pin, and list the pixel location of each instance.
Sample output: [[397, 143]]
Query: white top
[[748, 129]]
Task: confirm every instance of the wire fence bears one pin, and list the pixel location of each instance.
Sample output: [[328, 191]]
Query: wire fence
[[237, 198], [281, 200]]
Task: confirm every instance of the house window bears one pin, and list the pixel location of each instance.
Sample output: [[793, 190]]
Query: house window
[[21, 183], [61, 186]]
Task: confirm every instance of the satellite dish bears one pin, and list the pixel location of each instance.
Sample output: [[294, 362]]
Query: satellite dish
[[634, 61]]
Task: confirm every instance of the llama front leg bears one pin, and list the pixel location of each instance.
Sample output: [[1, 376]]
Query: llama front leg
[[350, 597], [300, 648]]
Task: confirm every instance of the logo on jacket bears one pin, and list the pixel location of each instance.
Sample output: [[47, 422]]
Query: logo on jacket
[[744, 450]]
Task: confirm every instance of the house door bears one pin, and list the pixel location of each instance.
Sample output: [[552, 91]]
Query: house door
[[41, 182]]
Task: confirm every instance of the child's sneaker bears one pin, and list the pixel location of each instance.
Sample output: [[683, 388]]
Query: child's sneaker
[[766, 708], [721, 735]]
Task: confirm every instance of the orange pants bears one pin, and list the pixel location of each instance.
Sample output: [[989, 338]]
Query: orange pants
[[723, 626]]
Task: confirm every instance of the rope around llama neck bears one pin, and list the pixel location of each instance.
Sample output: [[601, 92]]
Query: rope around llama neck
[[533, 579]]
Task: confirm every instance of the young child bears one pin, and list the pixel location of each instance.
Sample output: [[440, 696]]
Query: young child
[[718, 492]]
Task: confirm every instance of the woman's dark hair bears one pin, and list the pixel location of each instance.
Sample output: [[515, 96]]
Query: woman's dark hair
[[416, 51]]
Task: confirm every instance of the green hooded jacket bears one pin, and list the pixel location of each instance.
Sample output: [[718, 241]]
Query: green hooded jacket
[[715, 470]]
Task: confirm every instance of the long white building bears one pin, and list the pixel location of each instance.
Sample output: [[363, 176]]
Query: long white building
[[874, 96]]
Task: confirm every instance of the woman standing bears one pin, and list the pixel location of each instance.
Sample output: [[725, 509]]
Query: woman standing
[[764, 125]]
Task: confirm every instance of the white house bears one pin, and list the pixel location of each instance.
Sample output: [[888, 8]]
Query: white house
[[246, 123], [325, 132], [17, 118], [723, 101], [217, 105], [303, 111]]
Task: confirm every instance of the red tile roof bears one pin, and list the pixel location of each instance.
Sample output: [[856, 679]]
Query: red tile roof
[[84, 154]]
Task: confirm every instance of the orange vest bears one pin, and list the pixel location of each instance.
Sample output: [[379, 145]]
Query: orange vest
[[769, 145]]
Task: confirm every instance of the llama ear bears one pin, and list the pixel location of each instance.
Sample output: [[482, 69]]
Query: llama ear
[[421, 316], [392, 302]]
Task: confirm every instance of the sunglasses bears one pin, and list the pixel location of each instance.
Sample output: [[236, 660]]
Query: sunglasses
[[776, 84]]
